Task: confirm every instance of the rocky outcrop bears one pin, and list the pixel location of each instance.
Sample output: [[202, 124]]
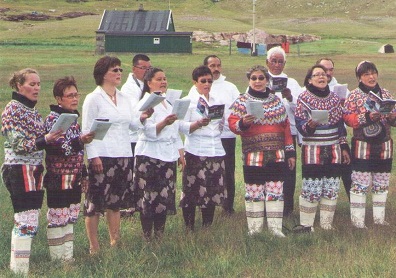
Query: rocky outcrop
[[223, 38]]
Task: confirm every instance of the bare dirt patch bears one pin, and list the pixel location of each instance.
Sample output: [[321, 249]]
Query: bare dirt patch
[[35, 16]]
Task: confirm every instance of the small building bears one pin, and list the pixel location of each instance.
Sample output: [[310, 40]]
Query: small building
[[141, 31], [386, 48], [247, 48]]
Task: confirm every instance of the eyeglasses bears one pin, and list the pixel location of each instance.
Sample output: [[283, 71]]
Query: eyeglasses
[[117, 70], [143, 68], [319, 75], [72, 96], [279, 62], [203, 81], [254, 78]]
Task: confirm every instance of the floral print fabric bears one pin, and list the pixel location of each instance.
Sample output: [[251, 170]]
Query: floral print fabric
[[203, 181], [154, 184], [110, 190]]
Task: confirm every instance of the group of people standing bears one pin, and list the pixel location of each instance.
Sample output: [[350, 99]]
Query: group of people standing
[[134, 167]]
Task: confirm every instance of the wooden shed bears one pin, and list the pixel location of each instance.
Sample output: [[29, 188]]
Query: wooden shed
[[141, 31]]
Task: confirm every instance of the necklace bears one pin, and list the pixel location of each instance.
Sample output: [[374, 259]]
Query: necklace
[[112, 97]]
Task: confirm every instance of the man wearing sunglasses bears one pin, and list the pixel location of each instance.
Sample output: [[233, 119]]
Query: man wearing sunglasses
[[288, 91], [227, 92], [133, 87]]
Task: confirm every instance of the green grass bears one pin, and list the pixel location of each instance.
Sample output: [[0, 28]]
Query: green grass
[[351, 31]]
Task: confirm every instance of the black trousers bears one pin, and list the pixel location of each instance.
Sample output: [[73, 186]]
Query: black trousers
[[289, 186], [133, 146], [229, 147], [346, 173]]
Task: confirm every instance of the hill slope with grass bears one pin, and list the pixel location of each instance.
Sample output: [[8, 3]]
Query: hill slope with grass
[[326, 18]]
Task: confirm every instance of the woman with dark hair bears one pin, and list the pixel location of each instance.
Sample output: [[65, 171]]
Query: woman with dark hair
[[372, 145], [22, 170], [203, 176], [66, 171], [324, 149], [157, 151], [110, 172], [267, 147]]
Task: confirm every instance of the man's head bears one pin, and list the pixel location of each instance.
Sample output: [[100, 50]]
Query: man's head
[[214, 64], [329, 65], [276, 60], [140, 64]]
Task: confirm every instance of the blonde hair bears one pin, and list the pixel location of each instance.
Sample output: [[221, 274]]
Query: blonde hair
[[19, 77]]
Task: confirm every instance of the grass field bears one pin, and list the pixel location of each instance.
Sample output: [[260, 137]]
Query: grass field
[[351, 31]]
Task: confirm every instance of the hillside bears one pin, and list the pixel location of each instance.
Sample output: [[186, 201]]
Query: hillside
[[372, 20]]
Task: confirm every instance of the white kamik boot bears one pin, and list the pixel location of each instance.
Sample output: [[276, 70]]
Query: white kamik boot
[[379, 202], [255, 216], [12, 259], [358, 210], [307, 212], [274, 211], [20, 254], [25, 228], [69, 242], [56, 243], [327, 209]]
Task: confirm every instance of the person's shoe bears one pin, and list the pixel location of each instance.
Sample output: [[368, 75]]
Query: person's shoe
[[229, 212], [127, 212], [383, 223], [301, 229]]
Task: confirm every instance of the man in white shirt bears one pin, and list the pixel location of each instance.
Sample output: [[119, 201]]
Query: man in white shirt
[[133, 88], [329, 65], [346, 169], [276, 61], [134, 84], [226, 92]]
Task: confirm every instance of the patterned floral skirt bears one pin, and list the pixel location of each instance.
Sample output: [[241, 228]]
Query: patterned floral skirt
[[112, 189], [203, 181], [155, 186]]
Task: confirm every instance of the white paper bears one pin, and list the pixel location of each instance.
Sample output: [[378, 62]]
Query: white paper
[[172, 95], [341, 90], [320, 116], [180, 107], [100, 127], [64, 121], [255, 108], [151, 101]]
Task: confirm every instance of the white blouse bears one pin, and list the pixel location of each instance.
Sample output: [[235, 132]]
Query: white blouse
[[205, 141], [227, 93], [116, 142], [164, 146]]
